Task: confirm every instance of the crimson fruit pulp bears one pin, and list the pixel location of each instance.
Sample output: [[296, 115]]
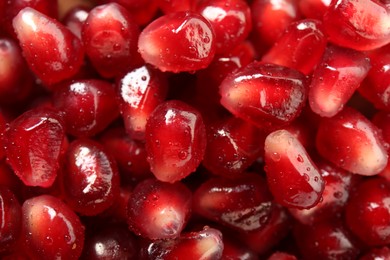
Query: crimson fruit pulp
[[195, 129]]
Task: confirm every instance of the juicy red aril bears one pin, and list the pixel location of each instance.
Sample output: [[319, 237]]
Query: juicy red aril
[[16, 80], [314, 8], [159, 210], [359, 24], [75, 19], [34, 146], [158, 42], [110, 38], [243, 204], [172, 6], [326, 240], [51, 229], [232, 146], [352, 142], [90, 178], [367, 213], [10, 218], [88, 106], [231, 21], [52, 52], [336, 78], [382, 121], [281, 256], [293, 178], [205, 244], [266, 95], [175, 140], [140, 91], [300, 46]]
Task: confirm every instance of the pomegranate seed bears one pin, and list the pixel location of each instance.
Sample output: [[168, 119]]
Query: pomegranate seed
[[16, 80], [232, 146], [281, 256], [376, 254], [34, 146], [118, 210], [128, 153], [381, 120], [338, 185], [110, 38], [172, 6], [75, 19], [250, 93], [109, 242], [367, 213], [88, 106], [300, 46], [271, 18], [314, 8], [335, 79], [206, 244], [52, 52], [10, 218], [158, 42], [140, 92], [90, 179], [352, 142], [366, 22], [159, 210], [243, 204], [176, 140], [51, 229], [326, 240], [231, 21], [293, 178]]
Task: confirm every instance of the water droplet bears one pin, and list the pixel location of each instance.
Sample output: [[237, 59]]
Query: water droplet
[[307, 177], [182, 155], [316, 179], [300, 158], [206, 39], [143, 78], [275, 156], [117, 47], [338, 195], [308, 169]]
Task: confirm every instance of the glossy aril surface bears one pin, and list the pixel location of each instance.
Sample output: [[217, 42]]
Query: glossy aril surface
[[88, 106], [176, 140], [52, 52], [90, 178], [51, 229], [158, 42], [10, 218], [159, 210], [266, 95], [352, 142], [110, 37], [293, 178], [75, 19], [35, 145]]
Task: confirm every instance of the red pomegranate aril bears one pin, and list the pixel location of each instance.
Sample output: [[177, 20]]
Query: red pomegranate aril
[[51, 229], [117, 213], [75, 19], [377, 254], [358, 24], [175, 140], [336, 78], [375, 87], [261, 241], [10, 219], [172, 6], [159, 210], [300, 47], [232, 146], [231, 21], [352, 142], [243, 204], [314, 8], [158, 42], [266, 95], [232, 249], [271, 18], [34, 146], [113, 242], [88, 106], [140, 91], [16, 81], [12, 8], [129, 154], [382, 120], [206, 244], [367, 213], [90, 179], [281, 256], [110, 37], [51, 50], [338, 185], [293, 178], [326, 240]]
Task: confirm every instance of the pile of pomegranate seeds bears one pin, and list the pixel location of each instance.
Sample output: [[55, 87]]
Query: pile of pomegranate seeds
[[195, 129]]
